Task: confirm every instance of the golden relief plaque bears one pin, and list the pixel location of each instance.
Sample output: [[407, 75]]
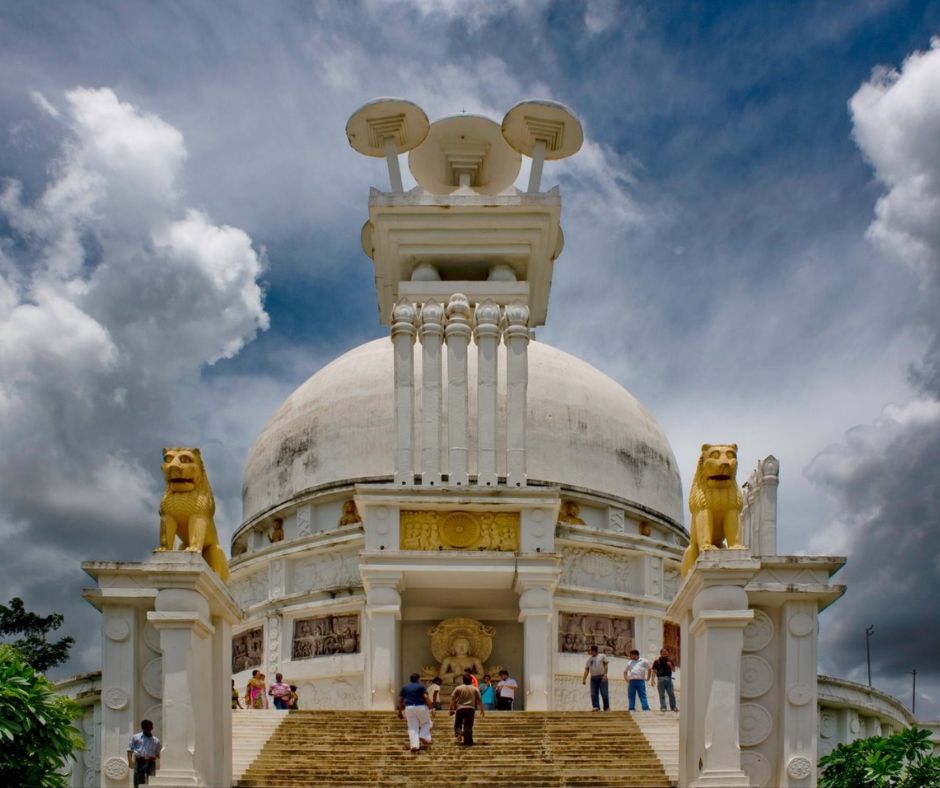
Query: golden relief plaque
[[424, 530]]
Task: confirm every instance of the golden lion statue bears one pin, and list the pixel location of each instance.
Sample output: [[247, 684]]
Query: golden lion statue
[[188, 508], [715, 502]]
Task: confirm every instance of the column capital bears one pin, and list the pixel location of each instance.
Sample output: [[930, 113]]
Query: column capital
[[431, 320], [458, 316], [404, 317], [187, 620]]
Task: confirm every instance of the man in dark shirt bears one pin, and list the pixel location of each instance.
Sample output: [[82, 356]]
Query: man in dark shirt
[[663, 668], [464, 701], [414, 705]]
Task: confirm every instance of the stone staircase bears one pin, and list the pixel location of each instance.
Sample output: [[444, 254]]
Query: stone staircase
[[251, 730], [661, 729], [513, 749]]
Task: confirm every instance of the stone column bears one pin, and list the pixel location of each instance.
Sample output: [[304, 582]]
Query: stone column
[[431, 333], [516, 335], [798, 721], [769, 472], [486, 335], [190, 611], [383, 619], [404, 316], [458, 338], [712, 608], [535, 583], [182, 618]]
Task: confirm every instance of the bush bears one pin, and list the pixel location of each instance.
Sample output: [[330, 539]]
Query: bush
[[36, 733], [903, 760]]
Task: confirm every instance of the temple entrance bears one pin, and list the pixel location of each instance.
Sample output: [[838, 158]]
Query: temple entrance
[[479, 629]]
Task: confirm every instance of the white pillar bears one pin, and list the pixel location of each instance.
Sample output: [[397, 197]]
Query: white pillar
[[798, 720], [486, 334], [535, 583], [383, 618], [182, 618], [404, 316], [712, 608], [458, 338], [517, 381], [188, 612], [769, 471], [431, 333]]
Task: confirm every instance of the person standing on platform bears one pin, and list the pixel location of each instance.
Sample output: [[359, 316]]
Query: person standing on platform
[[596, 668], [638, 672], [254, 692], [464, 701], [280, 692], [143, 753], [236, 703], [663, 668], [434, 690], [414, 706], [473, 679], [488, 693], [505, 691]]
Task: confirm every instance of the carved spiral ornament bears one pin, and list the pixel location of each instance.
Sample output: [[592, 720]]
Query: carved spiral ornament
[[757, 767], [117, 629], [799, 767], [757, 676], [115, 769], [756, 724], [759, 631], [801, 624], [115, 698], [799, 695], [152, 677]]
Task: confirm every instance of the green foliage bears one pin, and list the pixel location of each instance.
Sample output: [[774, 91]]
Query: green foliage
[[36, 733], [36, 650], [903, 760]]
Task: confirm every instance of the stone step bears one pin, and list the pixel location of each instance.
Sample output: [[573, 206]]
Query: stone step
[[544, 749]]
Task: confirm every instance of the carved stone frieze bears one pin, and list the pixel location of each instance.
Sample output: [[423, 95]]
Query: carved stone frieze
[[326, 571], [250, 590], [345, 692], [671, 581], [247, 650], [325, 635], [429, 530], [274, 626], [303, 521], [577, 632], [591, 568], [569, 694]]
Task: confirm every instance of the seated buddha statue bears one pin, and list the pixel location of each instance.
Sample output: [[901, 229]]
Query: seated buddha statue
[[453, 665]]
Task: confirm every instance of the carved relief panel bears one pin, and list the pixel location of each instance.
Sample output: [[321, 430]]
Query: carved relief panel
[[590, 568], [250, 590], [325, 635], [247, 650], [424, 530], [672, 640], [325, 571], [577, 632]]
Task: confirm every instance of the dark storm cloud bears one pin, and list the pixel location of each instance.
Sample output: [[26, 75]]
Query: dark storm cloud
[[885, 476]]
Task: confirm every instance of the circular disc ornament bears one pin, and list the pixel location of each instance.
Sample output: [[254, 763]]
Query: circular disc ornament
[[460, 529], [402, 120], [535, 120], [464, 143]]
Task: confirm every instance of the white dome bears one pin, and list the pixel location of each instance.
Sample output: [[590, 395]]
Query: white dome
[[584, 430]]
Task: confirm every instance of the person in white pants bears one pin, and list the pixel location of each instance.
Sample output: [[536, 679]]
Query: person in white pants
[[414, 705]]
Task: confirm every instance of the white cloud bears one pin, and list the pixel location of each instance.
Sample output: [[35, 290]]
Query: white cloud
[[896, 117], [113, 295]]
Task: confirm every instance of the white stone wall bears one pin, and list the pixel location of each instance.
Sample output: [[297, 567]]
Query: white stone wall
[[84, 769]]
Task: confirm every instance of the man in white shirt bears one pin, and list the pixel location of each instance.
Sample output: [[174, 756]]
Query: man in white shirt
[[596, 667], [505, 691], [638, 672], [143, 753]]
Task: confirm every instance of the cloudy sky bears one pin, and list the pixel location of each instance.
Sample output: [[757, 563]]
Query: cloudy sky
[[753, 249]]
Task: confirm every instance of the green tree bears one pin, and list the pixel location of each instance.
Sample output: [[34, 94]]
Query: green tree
[[36, 732], [15, 619], [903, 760]]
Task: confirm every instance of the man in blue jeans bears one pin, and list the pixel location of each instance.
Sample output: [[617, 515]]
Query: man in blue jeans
[[596, 667], [663, 668], [638, 672]]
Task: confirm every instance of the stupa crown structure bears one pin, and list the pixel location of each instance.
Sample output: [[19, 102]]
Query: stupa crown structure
[[464, 228]]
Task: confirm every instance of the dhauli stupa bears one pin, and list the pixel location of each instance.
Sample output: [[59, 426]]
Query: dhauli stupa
[[459, 494]]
